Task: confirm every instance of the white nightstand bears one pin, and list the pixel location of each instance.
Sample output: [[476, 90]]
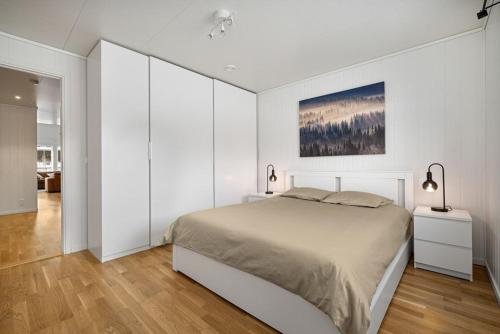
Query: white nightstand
[[260, 196], [443, 241]]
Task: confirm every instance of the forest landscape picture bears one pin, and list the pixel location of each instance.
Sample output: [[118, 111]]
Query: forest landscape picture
[[351, 122]]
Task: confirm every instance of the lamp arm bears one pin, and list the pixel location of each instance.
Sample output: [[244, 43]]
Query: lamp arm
[[435, 163], [444, 192]]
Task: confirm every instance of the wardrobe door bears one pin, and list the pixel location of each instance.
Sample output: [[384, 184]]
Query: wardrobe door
[[235, 143], [124, 150], [181, 125]]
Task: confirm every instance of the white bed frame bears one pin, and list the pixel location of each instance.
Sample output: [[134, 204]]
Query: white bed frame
[[281, 309]]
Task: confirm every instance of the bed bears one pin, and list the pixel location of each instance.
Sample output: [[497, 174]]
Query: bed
[[290, 262]]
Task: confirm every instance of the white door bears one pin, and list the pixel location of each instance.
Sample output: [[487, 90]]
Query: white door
[[181, 125], [124, 140], [235, 143]]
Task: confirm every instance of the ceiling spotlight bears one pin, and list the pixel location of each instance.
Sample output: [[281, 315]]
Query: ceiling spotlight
[[230, 68], [222, 19]]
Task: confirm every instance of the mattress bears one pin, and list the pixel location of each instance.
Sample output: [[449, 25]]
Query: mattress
[[333, 256]]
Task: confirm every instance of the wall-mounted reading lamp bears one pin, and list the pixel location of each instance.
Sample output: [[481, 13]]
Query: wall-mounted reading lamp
[[483, 12]]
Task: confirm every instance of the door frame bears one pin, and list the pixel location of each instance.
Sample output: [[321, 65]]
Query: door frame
[[65, 244]]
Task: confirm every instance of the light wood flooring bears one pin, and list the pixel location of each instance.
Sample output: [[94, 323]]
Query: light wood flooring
[[28, 237], [141, 294]]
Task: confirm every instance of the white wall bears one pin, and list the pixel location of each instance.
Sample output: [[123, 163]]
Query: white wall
[[18, 185], [26, 55], [434, 113], [48, 134], [492, 69]]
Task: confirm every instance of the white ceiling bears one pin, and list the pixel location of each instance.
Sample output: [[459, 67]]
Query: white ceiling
[[273, 42], [46, 96]]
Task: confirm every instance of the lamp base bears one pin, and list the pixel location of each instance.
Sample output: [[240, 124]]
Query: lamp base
[[269, 192], [439, 209]]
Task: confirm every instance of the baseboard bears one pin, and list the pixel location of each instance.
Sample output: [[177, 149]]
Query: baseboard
[[125, 253], [158, 243], [13, 212], [479, 261], [494, 284], [77, 248], [444, 271]]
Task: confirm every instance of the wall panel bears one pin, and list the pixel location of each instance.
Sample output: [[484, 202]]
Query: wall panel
[[434, 113], [492, 69], [18, 185]]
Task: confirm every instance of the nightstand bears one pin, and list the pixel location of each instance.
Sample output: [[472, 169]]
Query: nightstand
[[260, 196], [443, 241]]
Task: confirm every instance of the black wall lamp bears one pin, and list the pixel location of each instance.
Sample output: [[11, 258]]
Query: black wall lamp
[[483, 12], [271, 178], [431, 186]]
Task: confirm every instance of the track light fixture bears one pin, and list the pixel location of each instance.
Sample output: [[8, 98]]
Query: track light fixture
[[483, 12], [223, 18]]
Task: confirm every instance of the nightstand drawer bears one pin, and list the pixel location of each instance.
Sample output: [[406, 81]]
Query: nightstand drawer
[[445, 231], [444, 256]]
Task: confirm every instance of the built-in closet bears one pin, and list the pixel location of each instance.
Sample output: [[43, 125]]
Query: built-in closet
[[235, 143], [117, 150], [182, 144], [163, 141]]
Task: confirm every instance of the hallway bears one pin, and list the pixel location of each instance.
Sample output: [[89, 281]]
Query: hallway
[[28, 237]]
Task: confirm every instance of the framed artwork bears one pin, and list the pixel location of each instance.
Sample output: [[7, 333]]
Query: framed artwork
[[350, 122]]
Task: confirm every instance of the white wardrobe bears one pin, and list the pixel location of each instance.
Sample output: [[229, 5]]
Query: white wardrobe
[[235, 144], [204, 140], [163, 141], [117, 149], [182, 144]]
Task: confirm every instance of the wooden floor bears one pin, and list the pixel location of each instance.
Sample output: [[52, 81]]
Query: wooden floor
[[141, 294], [28, 237], [427, 302]]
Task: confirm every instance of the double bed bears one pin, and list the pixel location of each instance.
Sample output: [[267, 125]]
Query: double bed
[[304, 266]]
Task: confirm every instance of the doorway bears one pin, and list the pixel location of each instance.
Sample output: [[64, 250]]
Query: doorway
[[31, 167]]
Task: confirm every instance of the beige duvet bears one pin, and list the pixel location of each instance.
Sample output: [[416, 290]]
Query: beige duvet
[[331, 255]]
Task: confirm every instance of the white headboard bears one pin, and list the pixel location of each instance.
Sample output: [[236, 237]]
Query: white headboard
[[397, 186]]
